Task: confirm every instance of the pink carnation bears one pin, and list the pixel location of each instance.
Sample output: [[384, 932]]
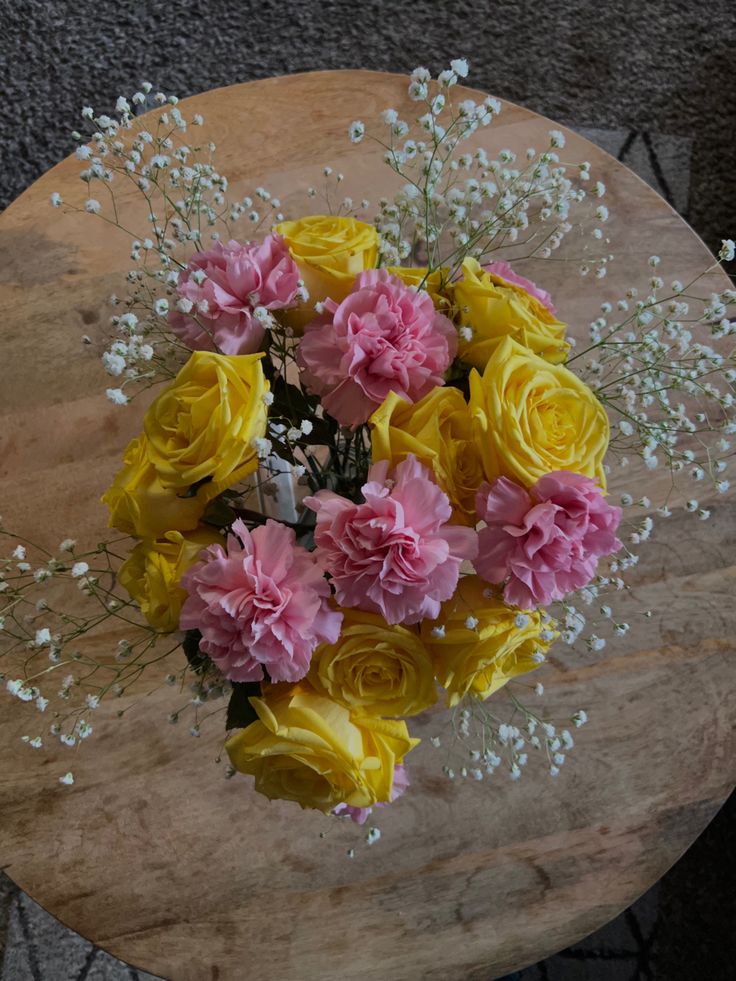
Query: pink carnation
[[263, 603], [394, 554], [360, 814], [237, 279], [504, 271], [384, 337], [544, 543]]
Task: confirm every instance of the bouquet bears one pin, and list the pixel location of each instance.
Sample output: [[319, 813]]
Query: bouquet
[[373, 475]]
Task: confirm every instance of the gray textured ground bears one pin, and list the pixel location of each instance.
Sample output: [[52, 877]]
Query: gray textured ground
[[664, 66], [652, 81]]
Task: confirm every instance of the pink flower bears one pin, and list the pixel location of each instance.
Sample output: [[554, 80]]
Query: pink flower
[[225, 285], [360, 814], [504, 271], [394, 554], [384, 337], [263, 603], [544, 543]]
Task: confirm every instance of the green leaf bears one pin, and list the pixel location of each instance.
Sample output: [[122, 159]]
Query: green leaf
[[219, 513], [198, 662], [240, 712], [192, 491]]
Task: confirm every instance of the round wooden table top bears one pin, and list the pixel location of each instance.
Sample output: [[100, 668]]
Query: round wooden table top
[[157, 858]]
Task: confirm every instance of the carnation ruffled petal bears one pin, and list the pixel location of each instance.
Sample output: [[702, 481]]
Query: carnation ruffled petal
[[262, 604], [550, 549], [394, 554], [224, 285], [384, 337]]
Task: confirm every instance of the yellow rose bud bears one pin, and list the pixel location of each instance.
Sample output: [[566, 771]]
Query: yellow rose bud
[[202, 427], [532, 417], [152, 571], [436, 283], [493, 309], [479, 659], [139, 503], [306, 747], [374, 668], [330, 251], [438, 430]]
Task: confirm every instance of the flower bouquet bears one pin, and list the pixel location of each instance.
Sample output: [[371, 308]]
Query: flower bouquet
[[373, 474]]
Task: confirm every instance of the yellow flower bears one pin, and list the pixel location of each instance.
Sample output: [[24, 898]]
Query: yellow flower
[[494, 309], [436, 283], [306, 747], [203, 426], [139, 503], [152, 571], [374, 668], [438, 431], [330, 251], [532, 417], [481, 660]]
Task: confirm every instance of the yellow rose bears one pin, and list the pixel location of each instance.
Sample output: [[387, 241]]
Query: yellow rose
[[438, 431], [494, 309], [139, 503], [436, 283], [203, 426], [152, 571], [532, 417], [330, 251], [308, 748], [479, 661], [374, 668]]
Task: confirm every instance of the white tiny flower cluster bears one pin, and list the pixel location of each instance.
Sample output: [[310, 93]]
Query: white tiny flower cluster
[[185, 196], [42, 638], [659, 367], [454, 204], [489, 744]]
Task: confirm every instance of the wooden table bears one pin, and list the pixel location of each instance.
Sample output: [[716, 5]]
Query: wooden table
[[157, 858]]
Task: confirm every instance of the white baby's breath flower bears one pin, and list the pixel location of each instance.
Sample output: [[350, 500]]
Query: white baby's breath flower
[[56, 200], [356, 131], [557, 138], [117, 396], [93, 206], [418, 91], [728, 250], [79, 569], [115, 364], [262, 447], [67, 779]]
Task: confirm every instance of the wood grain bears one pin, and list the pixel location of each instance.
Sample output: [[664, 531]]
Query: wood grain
[[157, 858]]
